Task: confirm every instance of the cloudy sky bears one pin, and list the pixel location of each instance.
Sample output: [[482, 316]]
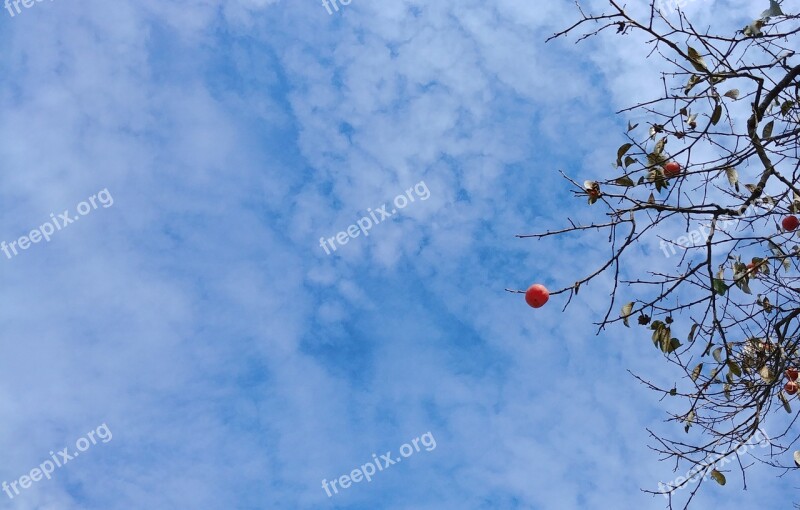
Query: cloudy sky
[[193, 319]]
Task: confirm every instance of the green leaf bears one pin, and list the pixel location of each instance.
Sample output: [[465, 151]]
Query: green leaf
[[629, 161], [787, 107], [717, 114], [696, 372], [733, 94], [718, 477], [717, 354], [626, 313], [735, 368], [720, 287], [768, 129], [673, 391], [621, 152], [697, 60]]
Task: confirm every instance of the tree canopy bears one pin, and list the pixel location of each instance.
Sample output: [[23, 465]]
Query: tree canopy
[[725, 312]]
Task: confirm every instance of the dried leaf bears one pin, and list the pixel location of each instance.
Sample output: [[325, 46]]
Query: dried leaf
[[696, 372], [621, 152], [767, 133], [716, 115], [733, 94], [697, 60], [624, 181], [626, 313], [733, 177]]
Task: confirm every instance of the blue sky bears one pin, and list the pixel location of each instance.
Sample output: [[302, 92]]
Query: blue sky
[[235, 362]]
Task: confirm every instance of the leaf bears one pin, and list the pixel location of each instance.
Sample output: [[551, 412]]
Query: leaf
[[785, 402], [743, 285], [720, 287], [693, 331], [696, 372], [779, 253], [621, 152], [626, 313], [754, 28], [732, 93], [693, 80], [735, 368], [629, 161], [764, 302], [766, 374], [697, 60], [659, 148], [631, 128], [718, 477], [768, 129], [656, 159], [774, 10], [733, 177], [671, 346], [625, 181], [651, 199], [717, 114], [796, 456], [662, 337], [673, 391], [787, 107], [717, 354]]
